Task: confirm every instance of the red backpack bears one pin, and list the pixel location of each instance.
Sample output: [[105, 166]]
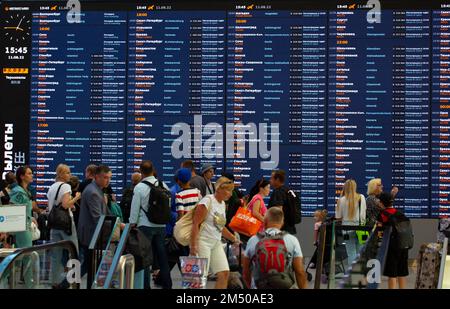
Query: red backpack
[[272, 269]]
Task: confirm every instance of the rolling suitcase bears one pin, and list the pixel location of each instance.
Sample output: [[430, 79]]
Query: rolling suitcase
[[428, 264]]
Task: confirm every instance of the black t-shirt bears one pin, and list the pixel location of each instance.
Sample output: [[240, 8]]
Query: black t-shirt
[[279, 198], [233, 204]]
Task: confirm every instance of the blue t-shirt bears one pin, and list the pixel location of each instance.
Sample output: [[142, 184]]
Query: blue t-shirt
[[173, 214]]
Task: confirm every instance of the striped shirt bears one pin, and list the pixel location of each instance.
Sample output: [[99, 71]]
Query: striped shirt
[[187, 199]]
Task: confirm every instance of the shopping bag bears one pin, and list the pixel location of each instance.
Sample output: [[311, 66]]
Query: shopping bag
[[243, 222], [183, 228], [194, 272], [116, 211]]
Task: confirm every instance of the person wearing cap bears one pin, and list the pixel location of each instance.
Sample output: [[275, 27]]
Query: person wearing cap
[[207, 174], [182, 197], [187, 198], [196, 180]]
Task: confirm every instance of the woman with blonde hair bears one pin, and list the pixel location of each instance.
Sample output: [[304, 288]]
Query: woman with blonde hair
[[374, 207], [351, 206], [208, 228], [60, 195], [351, 210]]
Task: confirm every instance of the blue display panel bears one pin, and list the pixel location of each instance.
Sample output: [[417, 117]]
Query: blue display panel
[[318, 90]]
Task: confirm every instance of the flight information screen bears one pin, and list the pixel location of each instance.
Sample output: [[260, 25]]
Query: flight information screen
[[327, 91]]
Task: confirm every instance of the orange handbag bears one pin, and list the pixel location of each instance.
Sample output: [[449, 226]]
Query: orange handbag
[[243, 222]]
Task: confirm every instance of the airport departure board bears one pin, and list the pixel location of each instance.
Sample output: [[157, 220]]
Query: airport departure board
[[354, 90]]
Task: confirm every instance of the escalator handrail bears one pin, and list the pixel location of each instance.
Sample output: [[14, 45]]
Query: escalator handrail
[[382, 253], [93, 246], [98, 229], [367, 228], [116, 258], [347, 276], [10, 259], [125, 262]]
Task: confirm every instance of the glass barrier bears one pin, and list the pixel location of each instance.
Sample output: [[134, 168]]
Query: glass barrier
[[114, 268], [44, 266], [339, 249], [372, 253], [102, 237]]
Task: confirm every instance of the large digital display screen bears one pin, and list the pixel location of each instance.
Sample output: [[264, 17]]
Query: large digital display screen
[[324, 90]]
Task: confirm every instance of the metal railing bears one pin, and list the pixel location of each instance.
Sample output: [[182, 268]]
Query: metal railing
[[370, 250], [330, 251], [29, 259], [99, 242], [441, 282], [109, 267], [126, 272]]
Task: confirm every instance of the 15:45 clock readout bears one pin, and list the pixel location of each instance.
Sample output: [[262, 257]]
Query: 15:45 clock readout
[[16, 50]]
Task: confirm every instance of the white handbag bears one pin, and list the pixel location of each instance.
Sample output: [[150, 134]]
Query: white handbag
[[35, 232]]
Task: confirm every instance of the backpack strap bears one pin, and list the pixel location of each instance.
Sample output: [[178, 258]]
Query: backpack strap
[[57, 193], [152, 186], [359, 211], [264, 235], [148, 183], [208, 208]]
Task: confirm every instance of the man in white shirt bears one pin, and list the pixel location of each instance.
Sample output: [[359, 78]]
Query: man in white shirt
[[155, 232]]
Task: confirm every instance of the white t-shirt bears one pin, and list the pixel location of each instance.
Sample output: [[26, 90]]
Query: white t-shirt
[[215, 219], [343, 211], [65, 188]]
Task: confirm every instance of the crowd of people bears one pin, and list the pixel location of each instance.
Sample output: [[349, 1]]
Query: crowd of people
[[213, 206]]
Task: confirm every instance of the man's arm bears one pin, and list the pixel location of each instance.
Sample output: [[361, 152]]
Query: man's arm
[[300, 275], [94, 204]]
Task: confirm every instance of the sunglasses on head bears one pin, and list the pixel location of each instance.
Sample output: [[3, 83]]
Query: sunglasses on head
[[226, 183]]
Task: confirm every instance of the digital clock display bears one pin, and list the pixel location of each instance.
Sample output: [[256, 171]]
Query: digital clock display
[[16, 50]]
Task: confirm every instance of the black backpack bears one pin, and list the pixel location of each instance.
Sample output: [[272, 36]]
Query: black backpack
[[402, 229], [159, 210], [293, 208]]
